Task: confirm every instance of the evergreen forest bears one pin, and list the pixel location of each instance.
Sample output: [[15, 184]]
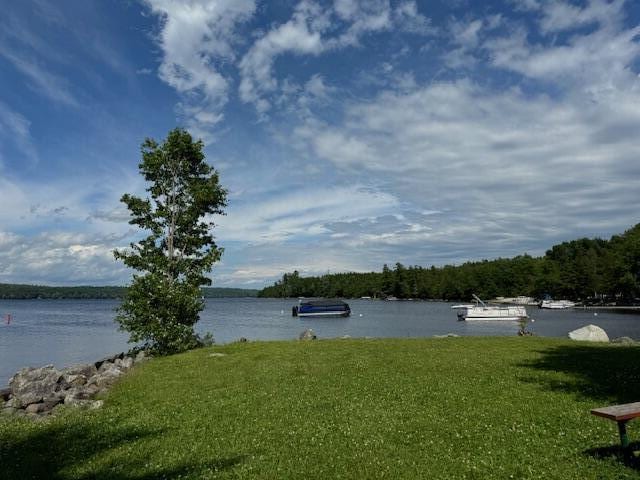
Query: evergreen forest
[[18, 291], [587, 270]]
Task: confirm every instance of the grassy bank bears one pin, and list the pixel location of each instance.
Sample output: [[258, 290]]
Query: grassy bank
[[432, 408]]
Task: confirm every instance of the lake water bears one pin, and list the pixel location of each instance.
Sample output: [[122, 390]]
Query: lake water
[[64, 332]]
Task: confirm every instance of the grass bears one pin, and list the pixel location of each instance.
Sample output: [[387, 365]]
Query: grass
[[411, 408]]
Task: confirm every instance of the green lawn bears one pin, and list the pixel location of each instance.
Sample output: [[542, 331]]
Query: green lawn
[[396, 408]]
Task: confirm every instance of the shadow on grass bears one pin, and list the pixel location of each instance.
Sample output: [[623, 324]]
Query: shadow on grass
[[52, 450], [617, 454], [605, 375], [609, 374]]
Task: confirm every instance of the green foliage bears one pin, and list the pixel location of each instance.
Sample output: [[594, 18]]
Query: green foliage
[[17, 291], [14, 291], [594, 270], [164, 301], [455, 408]]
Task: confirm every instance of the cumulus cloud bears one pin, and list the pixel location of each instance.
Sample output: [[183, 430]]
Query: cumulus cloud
[[299, 35], [197, 37], [561, 15], [508, 162], [313, 30], [59, 257], [595, 59]]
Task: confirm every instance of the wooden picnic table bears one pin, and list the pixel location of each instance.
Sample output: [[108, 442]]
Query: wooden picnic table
[[620, 414]]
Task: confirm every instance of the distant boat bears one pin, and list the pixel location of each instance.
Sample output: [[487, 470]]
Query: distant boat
[[519, 300], [482, 311], [524, 300], [556, 304], [321, 308]]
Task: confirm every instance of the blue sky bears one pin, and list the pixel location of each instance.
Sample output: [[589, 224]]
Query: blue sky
[[350, 133]]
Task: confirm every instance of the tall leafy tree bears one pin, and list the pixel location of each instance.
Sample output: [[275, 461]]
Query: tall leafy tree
[[164, 300]]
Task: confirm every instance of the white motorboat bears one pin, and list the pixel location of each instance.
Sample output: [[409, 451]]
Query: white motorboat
[[482, 311], [557, 304]]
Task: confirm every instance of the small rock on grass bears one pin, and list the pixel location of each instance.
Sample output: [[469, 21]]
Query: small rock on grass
[[624, 341], [308, 334]]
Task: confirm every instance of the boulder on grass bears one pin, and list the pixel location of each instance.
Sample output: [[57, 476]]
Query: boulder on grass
[[42, 407], [589, 333], [624, 341], [308, 335]]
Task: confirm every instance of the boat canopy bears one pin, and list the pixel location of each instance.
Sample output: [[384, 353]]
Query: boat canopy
[[325, 303]]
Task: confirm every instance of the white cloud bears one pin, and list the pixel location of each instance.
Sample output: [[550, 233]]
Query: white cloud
[[301, 213], [40, 79], [504, 168], [298, 36], [562, 15], [593, 60], [196, 38], [63, 258], [313, 30], [15, 130]]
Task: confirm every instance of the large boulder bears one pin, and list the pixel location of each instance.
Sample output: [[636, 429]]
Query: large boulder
[[105, 377], [589, 333], [124, 363], [77, 396], [42, 407], [34, 385], [78, 375], [86, 369]]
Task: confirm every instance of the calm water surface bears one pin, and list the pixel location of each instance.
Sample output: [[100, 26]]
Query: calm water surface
[[64, 332]]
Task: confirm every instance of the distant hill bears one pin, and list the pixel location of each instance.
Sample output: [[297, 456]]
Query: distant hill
[[17, 291]]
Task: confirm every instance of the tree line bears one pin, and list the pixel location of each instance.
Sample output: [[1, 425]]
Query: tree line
[[590, 270], [10, 291]]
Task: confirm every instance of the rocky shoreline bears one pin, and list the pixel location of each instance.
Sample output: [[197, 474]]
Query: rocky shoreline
[[37, 392]]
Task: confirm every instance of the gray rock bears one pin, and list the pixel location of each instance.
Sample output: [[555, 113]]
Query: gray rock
[[110, 359], [33, 385], [141, 356], [107, 365], [217, 354], [94, 405], [75, 380], [589, 333], [307, 335], [75, 395], [106, 377], [13, 402], [8, 411], [624, 340], [123, 363], [5, 393], [41, 407], [87, 370]]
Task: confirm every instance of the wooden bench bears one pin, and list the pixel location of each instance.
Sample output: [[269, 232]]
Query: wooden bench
[[621, 414]]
